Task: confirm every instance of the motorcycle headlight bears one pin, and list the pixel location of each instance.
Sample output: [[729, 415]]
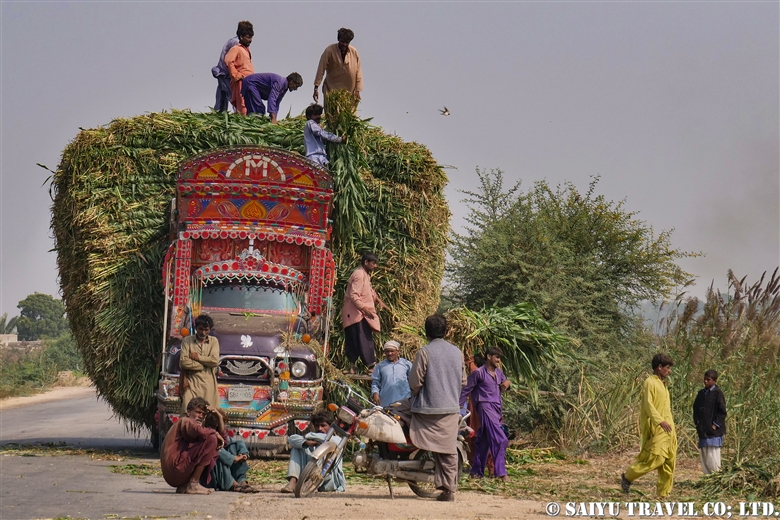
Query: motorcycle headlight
[[299, 369]]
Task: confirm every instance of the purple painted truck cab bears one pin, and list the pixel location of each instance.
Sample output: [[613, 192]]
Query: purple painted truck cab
[[250, 248]]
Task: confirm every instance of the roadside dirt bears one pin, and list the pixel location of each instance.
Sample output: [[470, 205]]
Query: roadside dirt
[[364, 502], [57, 393]]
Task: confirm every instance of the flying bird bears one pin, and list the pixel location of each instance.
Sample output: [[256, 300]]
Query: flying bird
[[445, 112]]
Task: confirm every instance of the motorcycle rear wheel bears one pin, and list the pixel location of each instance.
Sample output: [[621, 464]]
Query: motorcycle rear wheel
[[314, 474], [428, 489]]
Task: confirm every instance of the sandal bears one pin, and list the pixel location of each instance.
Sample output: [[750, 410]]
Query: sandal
[[243, 488]]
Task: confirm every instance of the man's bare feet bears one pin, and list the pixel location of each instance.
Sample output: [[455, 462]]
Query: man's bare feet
[[193, 488], [505, 478]]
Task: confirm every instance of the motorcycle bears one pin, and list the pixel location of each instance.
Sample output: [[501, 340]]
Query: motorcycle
[[388, 454]]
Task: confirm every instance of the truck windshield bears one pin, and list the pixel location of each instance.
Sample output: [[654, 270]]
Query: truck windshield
[[241, 297]]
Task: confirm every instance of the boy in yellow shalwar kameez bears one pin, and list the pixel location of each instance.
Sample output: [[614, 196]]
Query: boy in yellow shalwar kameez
[[658, 445]]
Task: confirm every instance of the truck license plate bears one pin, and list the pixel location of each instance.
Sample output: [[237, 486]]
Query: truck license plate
[[241, 393]]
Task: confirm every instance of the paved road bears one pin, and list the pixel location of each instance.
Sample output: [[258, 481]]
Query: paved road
[[81, 421], [77, 486]]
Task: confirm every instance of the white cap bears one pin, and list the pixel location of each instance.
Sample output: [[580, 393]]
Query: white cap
[[392, 345]]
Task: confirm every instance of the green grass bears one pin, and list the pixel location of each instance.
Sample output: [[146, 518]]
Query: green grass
[[28, 372]]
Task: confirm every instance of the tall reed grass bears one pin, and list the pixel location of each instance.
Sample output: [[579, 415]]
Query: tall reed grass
[[737, 333]]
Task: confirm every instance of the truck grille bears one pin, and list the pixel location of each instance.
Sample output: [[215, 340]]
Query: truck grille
[[243, 367]]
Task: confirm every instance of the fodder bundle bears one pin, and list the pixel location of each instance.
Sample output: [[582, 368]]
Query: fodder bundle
[[112, 191]]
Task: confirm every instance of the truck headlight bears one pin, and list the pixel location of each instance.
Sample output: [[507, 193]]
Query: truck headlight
[[299, 369]]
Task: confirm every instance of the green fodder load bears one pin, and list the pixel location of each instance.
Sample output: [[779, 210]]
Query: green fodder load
[[112, 194]]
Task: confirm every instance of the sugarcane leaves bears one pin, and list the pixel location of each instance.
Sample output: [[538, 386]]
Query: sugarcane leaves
[[529, 342], [346, 162]]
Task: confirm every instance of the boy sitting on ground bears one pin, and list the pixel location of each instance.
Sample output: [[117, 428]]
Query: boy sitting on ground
[[304, 446], [229, 473]]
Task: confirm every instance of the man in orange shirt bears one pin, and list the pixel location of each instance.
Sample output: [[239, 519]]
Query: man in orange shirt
[[342, 64], [239, 63], [359, 314]]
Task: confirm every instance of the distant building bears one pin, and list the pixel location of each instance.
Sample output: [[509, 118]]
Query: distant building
[[5, 339]]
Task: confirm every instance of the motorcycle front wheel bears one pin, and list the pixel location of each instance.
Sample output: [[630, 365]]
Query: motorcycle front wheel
[[428, 489], [315, 472]]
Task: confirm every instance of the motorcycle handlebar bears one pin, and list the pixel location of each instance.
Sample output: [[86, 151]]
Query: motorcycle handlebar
[[350, 392]]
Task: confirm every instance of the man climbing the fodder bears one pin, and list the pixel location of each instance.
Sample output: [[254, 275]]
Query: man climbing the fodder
[[359, 314], [270, 87], [198, 362], [190, 450], [658, 439], [314, 136]]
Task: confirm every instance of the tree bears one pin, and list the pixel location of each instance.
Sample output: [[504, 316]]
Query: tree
[[583, 261], [7, 326], [42, 316]]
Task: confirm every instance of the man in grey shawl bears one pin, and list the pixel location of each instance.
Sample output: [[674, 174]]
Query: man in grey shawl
[[437, 376]]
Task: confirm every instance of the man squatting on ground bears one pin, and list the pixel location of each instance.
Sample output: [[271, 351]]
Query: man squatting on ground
[[359, 316], [304, 446], [314, 136], [221, 72], [709, 416], [390, 379], [437, 376], [190, 449], [658, 439], [198, 363], [484, 387]]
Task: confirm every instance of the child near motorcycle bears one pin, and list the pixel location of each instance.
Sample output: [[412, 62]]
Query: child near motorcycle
[[302, 448]]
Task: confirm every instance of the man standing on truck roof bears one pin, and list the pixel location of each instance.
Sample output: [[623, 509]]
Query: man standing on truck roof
[[221, 72], [340, 64], [359, 314], [198, 362], [238, 61], [270, 87]]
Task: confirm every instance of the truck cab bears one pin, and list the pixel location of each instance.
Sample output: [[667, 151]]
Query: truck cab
[[249, 247]]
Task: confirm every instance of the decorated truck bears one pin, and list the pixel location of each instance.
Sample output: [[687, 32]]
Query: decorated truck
[[250, 248]]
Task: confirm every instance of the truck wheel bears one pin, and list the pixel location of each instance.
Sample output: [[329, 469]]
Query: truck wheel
[[314, 473], [156, 438], [428, 489]]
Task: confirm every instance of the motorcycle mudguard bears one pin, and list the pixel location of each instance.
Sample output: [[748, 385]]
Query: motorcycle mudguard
[[323, 449], [462, 451]]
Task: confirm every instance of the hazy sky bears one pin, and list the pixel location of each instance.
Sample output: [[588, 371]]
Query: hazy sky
[[674, 104]]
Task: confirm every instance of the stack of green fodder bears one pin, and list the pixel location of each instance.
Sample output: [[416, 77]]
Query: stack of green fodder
[[113, 189]]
